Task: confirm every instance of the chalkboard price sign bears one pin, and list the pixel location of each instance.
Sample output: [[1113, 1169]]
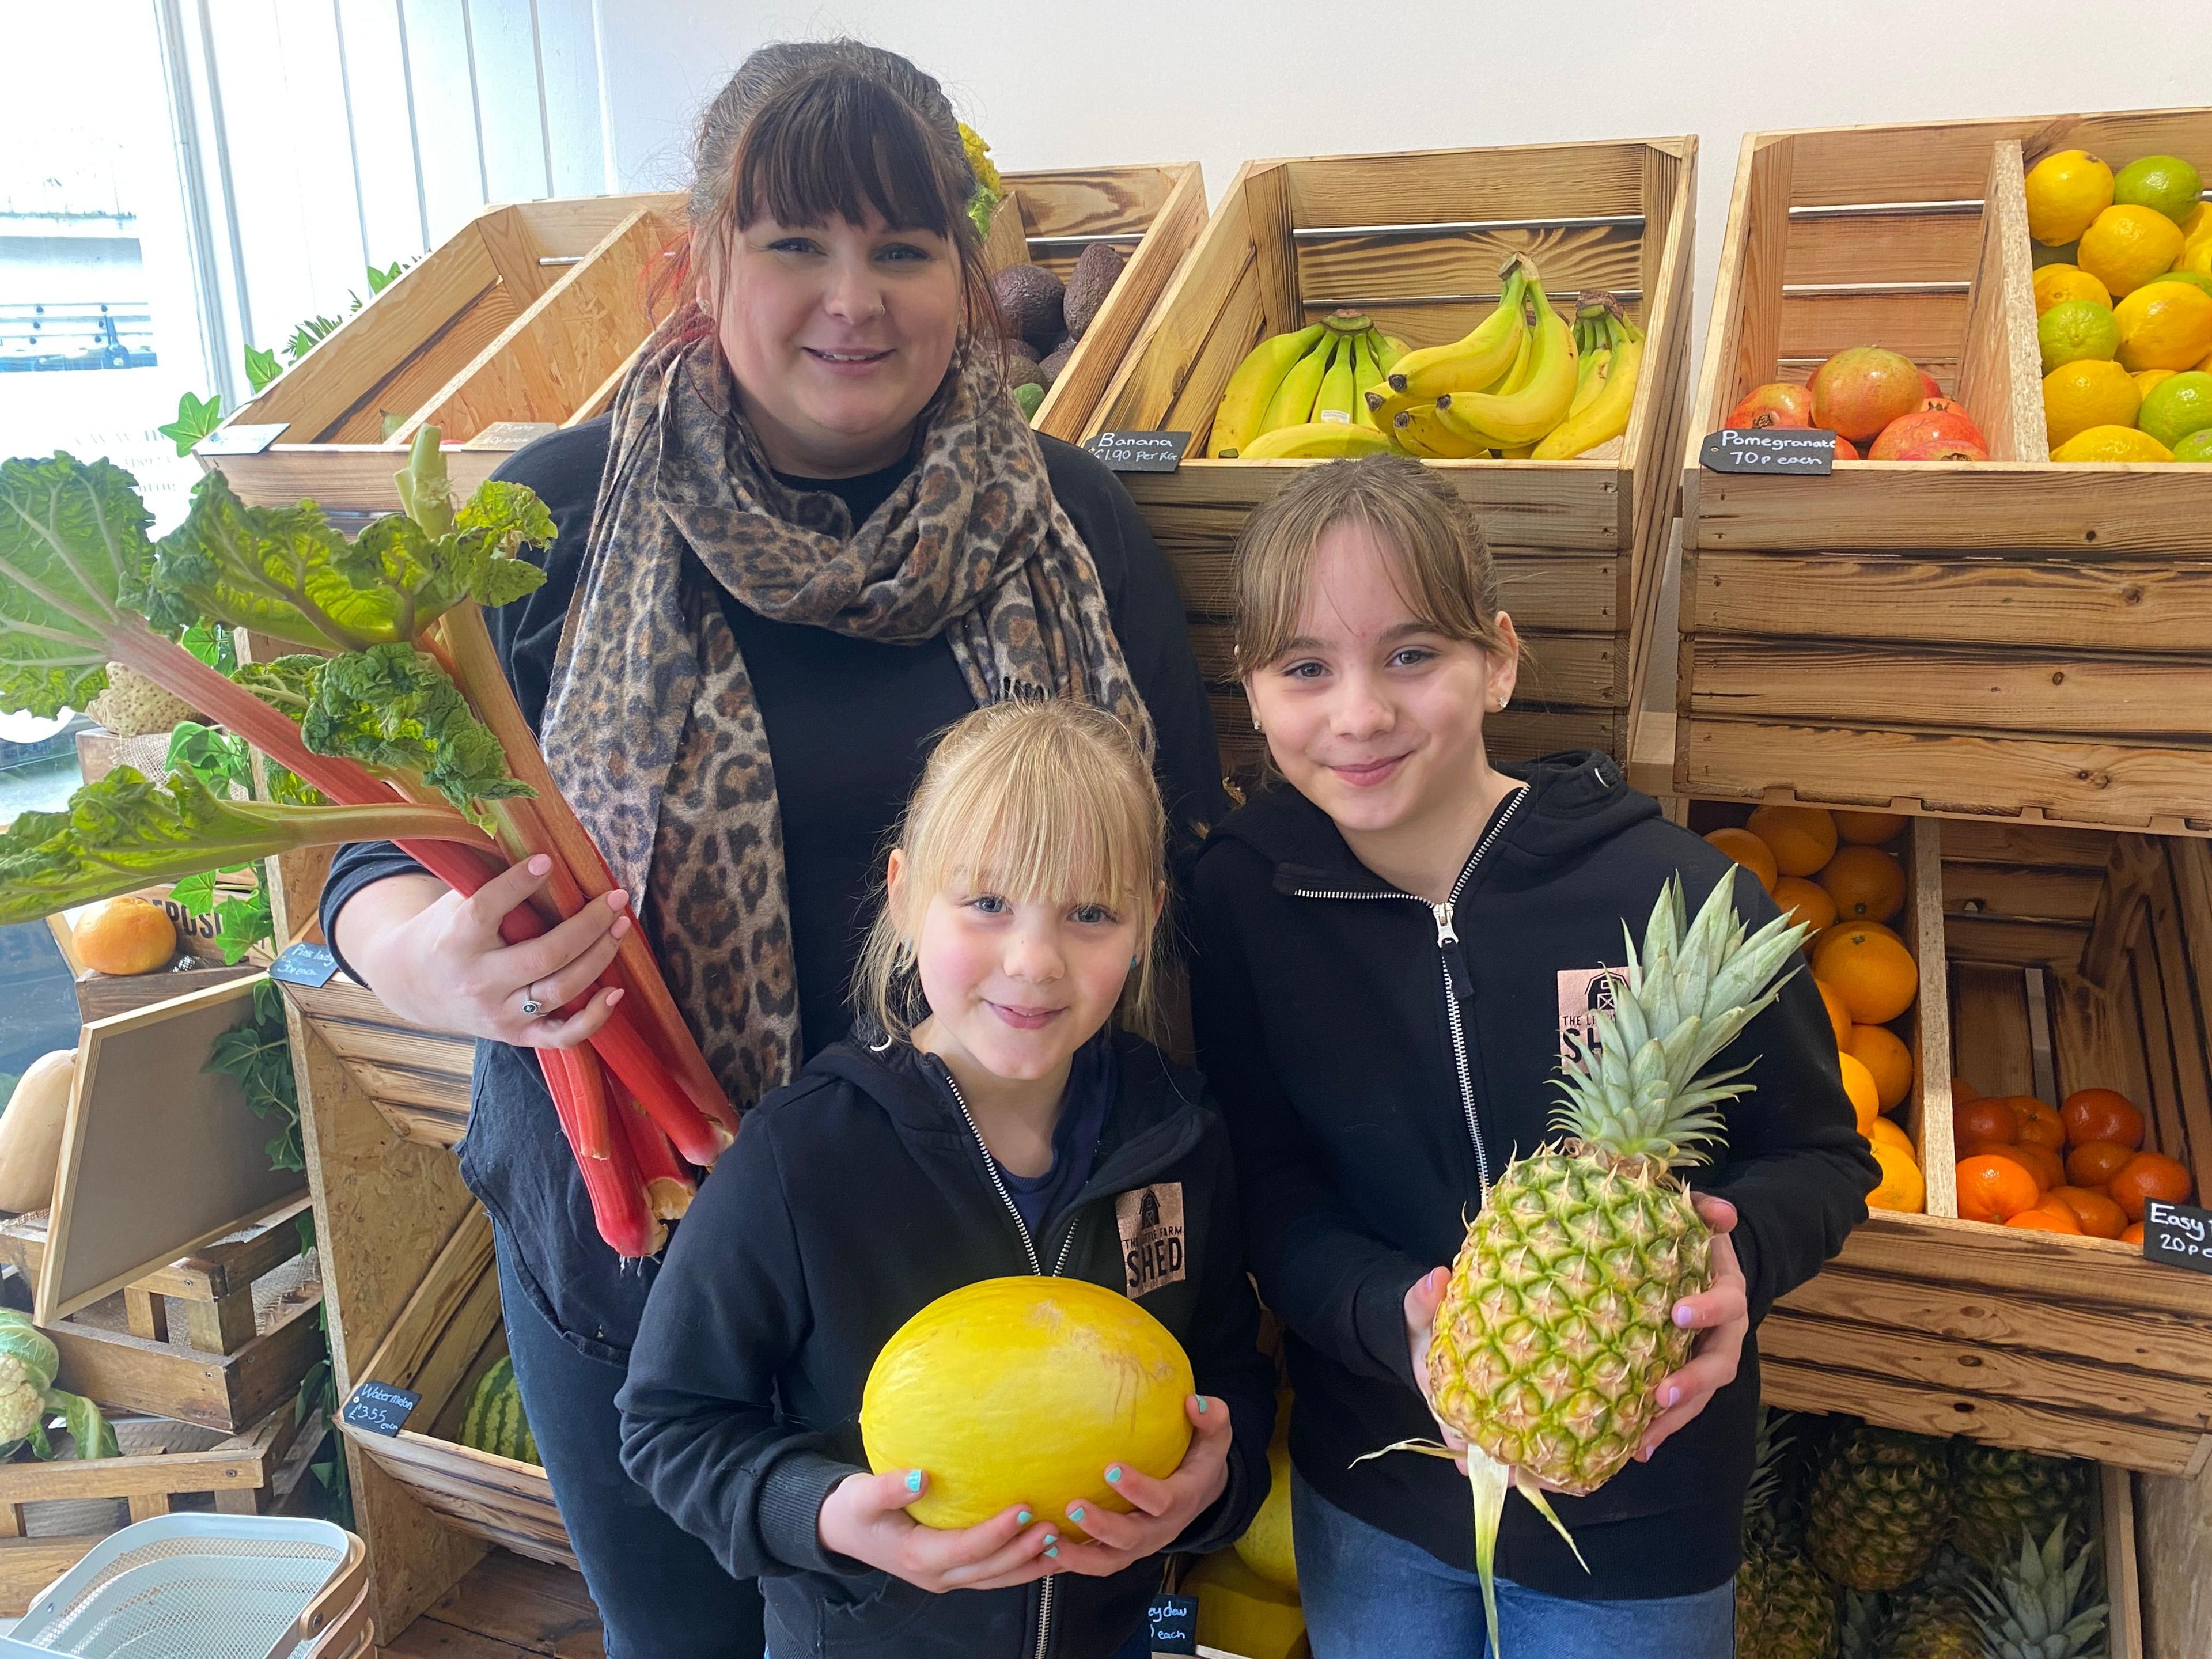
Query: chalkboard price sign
[[379, 1407], [1175, 1625], [1140, 451], [1771, 449], [311, 965], [2178, 1234]]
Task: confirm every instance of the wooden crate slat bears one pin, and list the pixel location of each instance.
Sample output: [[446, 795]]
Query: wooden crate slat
[[1932, 243], [1351, 268], [2008, 939], [1412, 187], [2028, 892], [1929, 1119], [217, 1391]]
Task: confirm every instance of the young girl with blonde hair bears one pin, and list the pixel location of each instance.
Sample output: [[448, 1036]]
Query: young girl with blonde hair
[[989, 1119], [1394, 947]]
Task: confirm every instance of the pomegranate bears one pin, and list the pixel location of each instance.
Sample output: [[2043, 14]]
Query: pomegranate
[[1862, 389], [1847, 450], [1909, 430], [1929, 381], [1944, 449], [1776, 403]]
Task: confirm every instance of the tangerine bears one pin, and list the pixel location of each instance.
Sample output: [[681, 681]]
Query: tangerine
[[1803, 838], [1867, 884], [1884, 1054], [2132, 1233], [1903, 1186], [1806, 902], [2038, 1123], [1858, 1086], [1963, 1091], [2094, 1163], [1994, 1188], [2101, 1115], [2148, 1175], [1748, 850], [2097, 1215], [1871, 970], [1867, 829], [2043, 1219], [2045, 1165], [1981, 1120], [1839, 1017], [125, 935]]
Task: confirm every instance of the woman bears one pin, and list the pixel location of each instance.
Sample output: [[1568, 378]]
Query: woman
[[1392, 953], [815, 531]]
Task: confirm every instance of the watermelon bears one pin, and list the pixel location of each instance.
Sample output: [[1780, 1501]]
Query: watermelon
[[494, 1422]]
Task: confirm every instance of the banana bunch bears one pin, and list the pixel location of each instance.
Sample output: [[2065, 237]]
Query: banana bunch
[[1297, 396], [1610, 350]]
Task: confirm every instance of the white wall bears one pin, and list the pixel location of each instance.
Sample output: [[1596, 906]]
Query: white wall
[[1078, 83]]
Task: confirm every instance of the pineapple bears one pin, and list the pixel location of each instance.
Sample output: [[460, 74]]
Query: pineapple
[[1783, 1609], [1558, 1324], [2044, 1607], [1880, 1506], [1866, 1613], [1935, 1623], [1996, 1492]]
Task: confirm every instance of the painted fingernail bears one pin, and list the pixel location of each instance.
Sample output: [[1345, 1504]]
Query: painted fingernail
[[1050, 1539], [621, 926], [1671, 1396], [1023, 1519], [540, 864], [617, 898], [914, 1480], [1682, 1313], [1076, 1515], [1201, 1405], [1053, 1552], [1114, 1475], [615, 995]]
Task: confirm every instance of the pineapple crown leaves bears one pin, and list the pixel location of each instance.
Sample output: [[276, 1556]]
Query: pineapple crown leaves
[[2034, 1607], [1636, 1088]]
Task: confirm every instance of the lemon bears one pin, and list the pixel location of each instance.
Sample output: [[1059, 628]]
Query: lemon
[[2145, 378], [2195, 279], [2111, 443], [2178, 407], [2091, 392], [2196, 447], [2128, 246], [2075, 328], [2198, 225], [2055, 282], [2166, 184], [2164, 325], [2065, 194], [2197, 258]]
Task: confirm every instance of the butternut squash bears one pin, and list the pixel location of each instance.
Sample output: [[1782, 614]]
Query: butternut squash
[[31, 1131]]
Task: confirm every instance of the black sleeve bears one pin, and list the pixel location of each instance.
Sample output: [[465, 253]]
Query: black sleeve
[[1148, 621], [563, 468], [1795, 1167], [700, 1428], [1331, 1280], [1227, 1363]]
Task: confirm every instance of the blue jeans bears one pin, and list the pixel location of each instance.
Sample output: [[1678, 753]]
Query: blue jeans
[[1370, 1596]]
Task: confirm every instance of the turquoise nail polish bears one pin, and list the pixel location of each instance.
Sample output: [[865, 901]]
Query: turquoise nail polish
[[1114, 1475], [1054, 1553], [1023, 1519], [1076, 1515], [914, 1480], [1050, 1538], [1201, 1405]]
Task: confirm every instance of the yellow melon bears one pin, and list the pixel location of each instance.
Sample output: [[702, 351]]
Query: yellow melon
[[1021, 1391], [1241, 1613], [1265, 1546]]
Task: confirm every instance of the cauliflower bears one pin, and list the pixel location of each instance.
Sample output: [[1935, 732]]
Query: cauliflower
[[132, 706], [22, 1408], [29, 1397]]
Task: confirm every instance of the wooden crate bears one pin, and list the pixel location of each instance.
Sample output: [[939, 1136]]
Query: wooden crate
[[1416, 240], [2010, 638], [418, 1080], [533, 314], [2073, 1346], [447, 1335]]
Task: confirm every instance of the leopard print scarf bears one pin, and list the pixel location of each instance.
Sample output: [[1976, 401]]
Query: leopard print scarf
[[652, 729]]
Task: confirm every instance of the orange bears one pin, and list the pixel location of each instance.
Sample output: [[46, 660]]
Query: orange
[[1994, 1188], [2148, 1175], [1881, 928], [2038, 1123], [1963, 1091], [2041, 1161], [2132, 1233], [1984, 1121], [1866, 883], [1903, 1186], [1806, 902], [1749, 851], [1858, 1085], [1888, 1132], [2101, 1115], [2097, 1215], [1873, 973], [2094, 1163], [1887, 1060], [1839, 1017], [125, 935], [1868, 829], [2043, 1219], [1803, 837]]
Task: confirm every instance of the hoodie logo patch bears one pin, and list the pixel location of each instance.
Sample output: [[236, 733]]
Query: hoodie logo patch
[[1584, 992], [1153, 1248]]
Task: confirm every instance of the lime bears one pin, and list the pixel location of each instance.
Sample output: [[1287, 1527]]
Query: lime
[[2196, 447], [2129, 246], [2091, 392], [2178, 407], [2111, 443], [2194, 279], [2145, 378], [2075, 328], [2065, 192], [2166, 184]]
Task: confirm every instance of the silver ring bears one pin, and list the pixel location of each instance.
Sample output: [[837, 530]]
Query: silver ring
[[531, 1005]]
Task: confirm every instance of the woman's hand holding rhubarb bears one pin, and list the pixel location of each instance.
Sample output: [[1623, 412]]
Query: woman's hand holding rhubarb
[[437, 958]]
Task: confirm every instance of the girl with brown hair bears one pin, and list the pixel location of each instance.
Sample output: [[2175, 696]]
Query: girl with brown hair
[[815, 531]]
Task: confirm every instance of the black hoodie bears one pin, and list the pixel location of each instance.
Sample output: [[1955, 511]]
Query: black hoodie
[[854, 1198], [1326, 1029]]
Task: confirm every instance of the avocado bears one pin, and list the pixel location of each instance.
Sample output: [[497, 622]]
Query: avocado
[[1051, 367], [1089, 285], [1021, 364], [1028, 398], [1031, 299]]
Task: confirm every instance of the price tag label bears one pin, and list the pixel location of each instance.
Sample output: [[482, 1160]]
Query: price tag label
[[379, 1407], [1140, 451], [311, 965], [1175, 1625], [1771, 449], [2179, 1235], [248, 440]]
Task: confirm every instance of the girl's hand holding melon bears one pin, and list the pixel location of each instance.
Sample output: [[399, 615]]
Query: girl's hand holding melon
[[864, 1517], [1164, 1509]]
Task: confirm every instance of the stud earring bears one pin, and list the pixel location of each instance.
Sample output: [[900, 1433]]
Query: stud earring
[[1256, 727]]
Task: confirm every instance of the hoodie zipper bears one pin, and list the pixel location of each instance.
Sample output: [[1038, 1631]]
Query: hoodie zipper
[[1451, 960], [1037, 1268]]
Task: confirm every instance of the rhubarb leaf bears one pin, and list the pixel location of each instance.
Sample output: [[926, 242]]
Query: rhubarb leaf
[[285, 683], [74, 562], [393, 708]]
